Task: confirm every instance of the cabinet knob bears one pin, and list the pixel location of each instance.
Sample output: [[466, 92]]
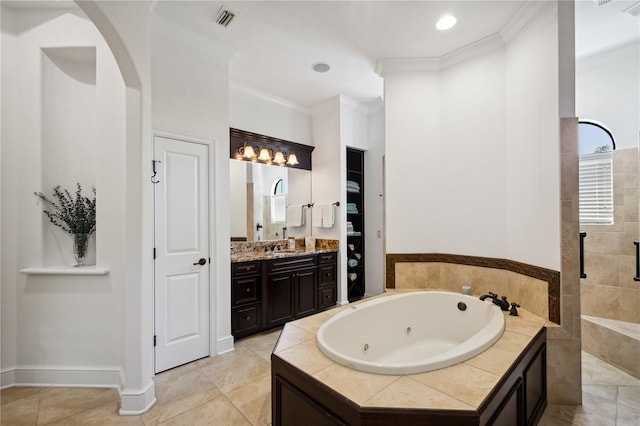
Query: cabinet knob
[[247, 318], [248, 290]]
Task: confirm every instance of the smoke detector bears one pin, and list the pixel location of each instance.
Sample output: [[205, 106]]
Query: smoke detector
[[225, 16]]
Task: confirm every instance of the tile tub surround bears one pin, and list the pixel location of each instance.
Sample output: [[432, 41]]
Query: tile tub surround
[[255, 250], [534, 288], [615, 342], [464, 386]]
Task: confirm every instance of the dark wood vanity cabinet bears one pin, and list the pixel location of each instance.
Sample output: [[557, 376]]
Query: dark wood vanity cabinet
[[291, 289], [268, 293], [246, 305], [327, 285]]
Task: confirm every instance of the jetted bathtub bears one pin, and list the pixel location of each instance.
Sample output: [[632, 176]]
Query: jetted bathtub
[[411, 333]]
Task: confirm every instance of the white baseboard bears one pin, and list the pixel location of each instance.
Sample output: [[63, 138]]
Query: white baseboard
[[77, 376], [224, 345], [137, 401]]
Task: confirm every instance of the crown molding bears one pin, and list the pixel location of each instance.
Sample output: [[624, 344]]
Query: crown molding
[[477, 48], [470, 51], [521, 18], [268, 98]]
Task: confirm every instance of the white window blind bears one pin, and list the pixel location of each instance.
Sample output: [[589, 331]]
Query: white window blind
[[278, 208], [596, 188]]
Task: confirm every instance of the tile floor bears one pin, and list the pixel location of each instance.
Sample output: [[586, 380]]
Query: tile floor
[[234, 389]]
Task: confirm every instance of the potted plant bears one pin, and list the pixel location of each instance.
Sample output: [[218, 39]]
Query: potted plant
[[75, 215]]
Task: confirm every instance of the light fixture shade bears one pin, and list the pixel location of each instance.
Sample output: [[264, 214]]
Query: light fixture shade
[[292, 160], [265, 155], [248, 153], [278, 158]]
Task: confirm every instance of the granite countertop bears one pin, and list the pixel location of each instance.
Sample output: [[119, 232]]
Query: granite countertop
[[257, 255], [277, 249]]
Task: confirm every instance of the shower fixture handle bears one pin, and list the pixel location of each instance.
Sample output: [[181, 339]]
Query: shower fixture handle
[[582, 237], [637, 244]]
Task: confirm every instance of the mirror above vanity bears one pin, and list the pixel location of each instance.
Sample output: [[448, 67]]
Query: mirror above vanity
[[264, 181]]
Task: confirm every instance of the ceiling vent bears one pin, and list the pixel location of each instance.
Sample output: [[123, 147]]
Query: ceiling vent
[[633, 10], [601, 2], [225, 16]]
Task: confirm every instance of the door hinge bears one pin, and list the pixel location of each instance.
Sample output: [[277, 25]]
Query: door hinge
[[155, 341], [154, 253]]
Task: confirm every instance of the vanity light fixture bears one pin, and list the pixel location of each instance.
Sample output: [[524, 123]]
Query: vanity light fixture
[[446, 22], [246, 153], [278, 158], [292, 160], [265, 155]]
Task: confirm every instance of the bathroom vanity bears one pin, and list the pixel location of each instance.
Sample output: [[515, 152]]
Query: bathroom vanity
[[505, 385], [272, 287]]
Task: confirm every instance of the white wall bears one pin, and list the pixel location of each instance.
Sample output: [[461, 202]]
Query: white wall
[[238, 199], [608, 91], [190, 98], [533, 143], [265, 114], [61, 119], [472, 152]]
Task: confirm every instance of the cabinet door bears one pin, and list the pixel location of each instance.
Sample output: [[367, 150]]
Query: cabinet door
[[306, 292], [279, 298], [245, 320], [245, 290]]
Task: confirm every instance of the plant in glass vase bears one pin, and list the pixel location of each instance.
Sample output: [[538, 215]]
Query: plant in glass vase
[[74, 215]]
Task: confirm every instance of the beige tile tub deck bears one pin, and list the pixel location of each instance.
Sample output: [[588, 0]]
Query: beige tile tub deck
[[463, 386]]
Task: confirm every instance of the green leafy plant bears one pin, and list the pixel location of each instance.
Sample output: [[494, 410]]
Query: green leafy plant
[[75, 215]]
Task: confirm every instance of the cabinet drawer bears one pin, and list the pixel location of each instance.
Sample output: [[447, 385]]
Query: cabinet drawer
[[240, 269], [245, 290], [291, 263], [327, 258], [245, 320], [326, 274], [327, 297]]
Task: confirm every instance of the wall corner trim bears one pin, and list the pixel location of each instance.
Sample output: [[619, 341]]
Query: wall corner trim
[[137, 401]]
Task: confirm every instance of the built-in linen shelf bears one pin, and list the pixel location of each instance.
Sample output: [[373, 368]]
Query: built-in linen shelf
[[65, 270]]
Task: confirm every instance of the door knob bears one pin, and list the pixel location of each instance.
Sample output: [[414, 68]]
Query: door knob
[[202, 261]]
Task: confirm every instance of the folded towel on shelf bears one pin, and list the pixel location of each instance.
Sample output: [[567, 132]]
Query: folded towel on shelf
[[353, 184], [352, 208], [328, 218], [295, 216], [316, 216]]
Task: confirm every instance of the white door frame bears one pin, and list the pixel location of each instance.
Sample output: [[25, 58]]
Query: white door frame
[[212, 232]]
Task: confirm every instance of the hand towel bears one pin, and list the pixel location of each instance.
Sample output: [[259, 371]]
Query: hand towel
[[316, 216], [295, 216], [327, 216]]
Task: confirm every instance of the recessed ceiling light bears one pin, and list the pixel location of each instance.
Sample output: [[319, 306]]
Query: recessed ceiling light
[[446, 22], [321, 67]]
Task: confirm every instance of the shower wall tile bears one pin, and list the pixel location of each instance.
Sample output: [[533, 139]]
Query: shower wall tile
[[627, 269], [629, 302], [601, 269], [600, 301]]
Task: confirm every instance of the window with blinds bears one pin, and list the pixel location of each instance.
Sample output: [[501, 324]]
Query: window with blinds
[[596, 172], [279, 202], [596, 188]]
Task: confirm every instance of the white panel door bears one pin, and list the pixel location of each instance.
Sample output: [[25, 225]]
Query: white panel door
[[181, 252]]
